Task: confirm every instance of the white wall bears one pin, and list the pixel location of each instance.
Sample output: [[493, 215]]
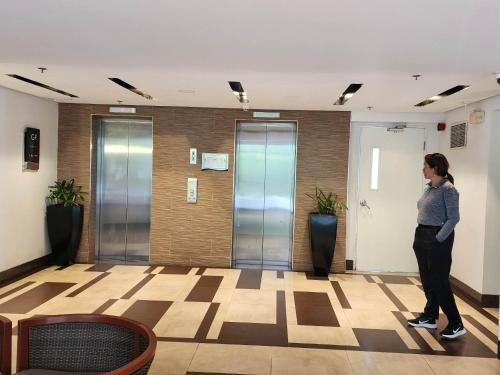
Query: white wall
[[22, 206], [475, 168], [491, 277], [427, 121]]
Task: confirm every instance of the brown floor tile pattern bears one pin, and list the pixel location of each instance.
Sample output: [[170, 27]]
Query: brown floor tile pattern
[[205, 289], [33, 298], [314, 309], [340, 295], [175, 270], [100, 267], [155, 310], [17, 288], [249, 279], [332, 314], [397, 302], [88, 285], [138, 287]]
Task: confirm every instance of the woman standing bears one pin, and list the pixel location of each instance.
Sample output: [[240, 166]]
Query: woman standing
[[437, 216]]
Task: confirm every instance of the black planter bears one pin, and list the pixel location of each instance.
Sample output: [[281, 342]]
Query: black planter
[[323, 234], [64, 225]]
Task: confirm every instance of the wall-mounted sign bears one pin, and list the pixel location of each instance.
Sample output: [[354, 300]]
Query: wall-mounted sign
[[216, 162], [192, 187], [31, 149]]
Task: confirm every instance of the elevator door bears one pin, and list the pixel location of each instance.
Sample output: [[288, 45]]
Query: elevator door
[[124, 163], [264, 195]]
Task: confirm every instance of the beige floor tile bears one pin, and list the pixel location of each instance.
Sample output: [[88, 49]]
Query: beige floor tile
[[367, 296], [182, 319], [375, 319], [223, 295], [167, 288], [219, 319], [19, 292], [322, 335], [240, 359], [241, 312], [321, 286], [127, 269], [410, 295], [69, 305], [309, 361], [114, 285], [371, 363], [254, 297], [340, 312], [492, 311], [348, 278], [157, 270], [445, 365], [481, 336], [119, 307], [67, 275], [172, 358], [272, 284]]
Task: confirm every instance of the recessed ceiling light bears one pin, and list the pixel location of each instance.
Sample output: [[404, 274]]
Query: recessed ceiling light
[[444, 94], [129, 87], [39, 84], [348, 93]]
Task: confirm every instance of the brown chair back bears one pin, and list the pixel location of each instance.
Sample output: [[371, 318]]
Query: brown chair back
[[85, 342], [5, 345]]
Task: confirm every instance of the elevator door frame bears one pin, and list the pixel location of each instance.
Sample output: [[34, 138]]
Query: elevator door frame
[[264, 121], [96, 124]]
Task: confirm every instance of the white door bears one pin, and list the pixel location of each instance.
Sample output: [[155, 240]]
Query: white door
[[390, 182]]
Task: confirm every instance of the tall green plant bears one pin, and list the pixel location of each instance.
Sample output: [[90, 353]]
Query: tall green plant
[[328, 204], [65, 192]]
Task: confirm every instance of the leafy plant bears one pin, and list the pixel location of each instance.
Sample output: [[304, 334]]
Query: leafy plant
[[328, 204], [65, 192]]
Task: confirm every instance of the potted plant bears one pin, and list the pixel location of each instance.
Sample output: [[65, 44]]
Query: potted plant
[[323, 230], [64, 220]]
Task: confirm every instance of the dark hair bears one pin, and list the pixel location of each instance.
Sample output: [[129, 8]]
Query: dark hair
[[440, 164]]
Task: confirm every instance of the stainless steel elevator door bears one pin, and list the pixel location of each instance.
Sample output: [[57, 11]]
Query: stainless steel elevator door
[[124, 163], [264, 194]]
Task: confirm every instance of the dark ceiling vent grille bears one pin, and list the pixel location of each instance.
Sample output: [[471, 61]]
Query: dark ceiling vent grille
[[458, 135], [42, 85]]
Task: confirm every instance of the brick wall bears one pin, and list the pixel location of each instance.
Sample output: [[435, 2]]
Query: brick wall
[[200, 234]]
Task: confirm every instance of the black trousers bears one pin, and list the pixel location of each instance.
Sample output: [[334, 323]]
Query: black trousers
[[434, 264]]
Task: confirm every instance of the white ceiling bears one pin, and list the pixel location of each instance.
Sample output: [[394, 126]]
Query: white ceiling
[[288, 54]]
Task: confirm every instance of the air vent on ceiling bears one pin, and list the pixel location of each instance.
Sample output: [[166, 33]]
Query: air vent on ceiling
[[42, 85], [458, 135], [348, 93], [444, 94], [129, 87]]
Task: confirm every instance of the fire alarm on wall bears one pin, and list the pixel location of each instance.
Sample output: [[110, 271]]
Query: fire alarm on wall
[[441, 126]]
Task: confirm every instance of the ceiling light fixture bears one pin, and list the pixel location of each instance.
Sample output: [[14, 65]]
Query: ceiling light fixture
[[348, 93], [129, 87], [39, 84], [444, 94], [240, 93]]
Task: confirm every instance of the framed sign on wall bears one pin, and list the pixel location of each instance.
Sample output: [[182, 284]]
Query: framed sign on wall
[[31, 149]]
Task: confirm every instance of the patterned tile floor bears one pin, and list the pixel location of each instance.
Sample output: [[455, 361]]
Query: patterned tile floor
[[230, 321]]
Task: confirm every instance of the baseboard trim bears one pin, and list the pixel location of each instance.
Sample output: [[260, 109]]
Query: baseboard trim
[[25, 269], [485, 300]]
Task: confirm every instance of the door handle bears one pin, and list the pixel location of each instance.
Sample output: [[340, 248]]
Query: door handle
[[364, 204]]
